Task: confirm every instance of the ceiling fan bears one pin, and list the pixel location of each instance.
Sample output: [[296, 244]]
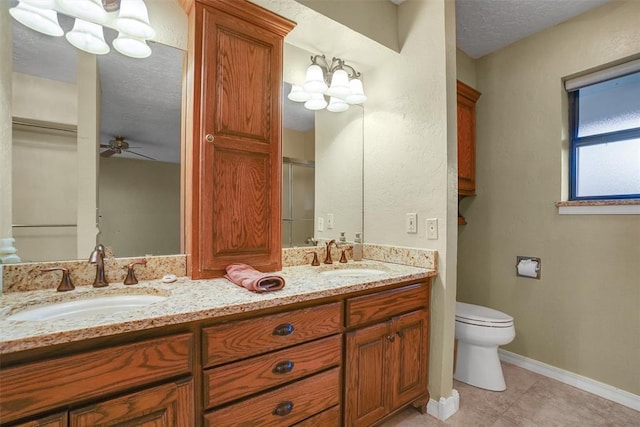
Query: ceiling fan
[[117, 146]]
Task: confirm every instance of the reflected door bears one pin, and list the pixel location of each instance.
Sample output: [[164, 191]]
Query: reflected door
[[298, 202]]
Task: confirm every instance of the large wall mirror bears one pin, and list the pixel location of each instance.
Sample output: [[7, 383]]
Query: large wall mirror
[[137, 208]]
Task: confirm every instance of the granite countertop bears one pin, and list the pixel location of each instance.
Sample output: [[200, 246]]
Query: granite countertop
[[187, 300]]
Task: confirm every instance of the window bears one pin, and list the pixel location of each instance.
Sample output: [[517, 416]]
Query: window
[[604, 124]]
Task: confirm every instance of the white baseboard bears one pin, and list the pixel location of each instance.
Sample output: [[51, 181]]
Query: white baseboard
[[444, 408], [583, 383]]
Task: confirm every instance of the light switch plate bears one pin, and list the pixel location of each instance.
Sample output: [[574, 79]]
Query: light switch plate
[[329, 221], [412, 223], [320, 223], [432, 228]]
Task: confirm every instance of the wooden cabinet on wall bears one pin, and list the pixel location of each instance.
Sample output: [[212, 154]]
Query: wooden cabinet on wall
[[233, 158], [387, 362], [467, 97]]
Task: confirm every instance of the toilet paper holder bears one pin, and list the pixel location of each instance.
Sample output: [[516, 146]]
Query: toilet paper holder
[[527, 266]]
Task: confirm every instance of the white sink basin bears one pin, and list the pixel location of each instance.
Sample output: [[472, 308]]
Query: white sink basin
[[352, 272], [86, 307]]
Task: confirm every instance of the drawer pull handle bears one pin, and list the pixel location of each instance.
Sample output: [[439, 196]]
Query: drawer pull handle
[[283, 367], [283, 408], [283, 330]]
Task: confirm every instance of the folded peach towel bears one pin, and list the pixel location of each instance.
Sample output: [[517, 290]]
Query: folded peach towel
[[252, 279]]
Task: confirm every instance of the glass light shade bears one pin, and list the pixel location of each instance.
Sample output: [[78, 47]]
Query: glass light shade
[[317, 102], [339, 85], [315, 80], [88, 10], [133, 20], [357, 95], [88, 36], [131, 46], [42, 4], [41, 20], [337, 105], [298, 94]]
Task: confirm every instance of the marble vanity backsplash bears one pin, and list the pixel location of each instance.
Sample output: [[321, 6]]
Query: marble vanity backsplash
[[27, 276]]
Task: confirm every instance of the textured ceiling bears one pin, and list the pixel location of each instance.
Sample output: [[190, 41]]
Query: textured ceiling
[[484, 26]]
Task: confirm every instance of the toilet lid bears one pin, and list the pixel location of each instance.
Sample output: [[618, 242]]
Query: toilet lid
[[479, 315]]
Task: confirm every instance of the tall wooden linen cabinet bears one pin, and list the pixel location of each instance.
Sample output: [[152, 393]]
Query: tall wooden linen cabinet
[[467, 97], [233, 155]]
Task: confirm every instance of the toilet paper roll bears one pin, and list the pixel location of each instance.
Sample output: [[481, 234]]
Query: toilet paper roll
[[528, 268]]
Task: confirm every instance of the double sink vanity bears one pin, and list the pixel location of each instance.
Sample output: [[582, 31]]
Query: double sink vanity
[[341, 344]]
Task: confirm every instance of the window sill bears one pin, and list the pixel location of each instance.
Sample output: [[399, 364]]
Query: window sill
[[599, 207]]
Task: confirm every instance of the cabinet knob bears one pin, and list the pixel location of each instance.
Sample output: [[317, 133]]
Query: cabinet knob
[[283, 408], [283, 330], [209, 138], [391, 338], [283, 367]]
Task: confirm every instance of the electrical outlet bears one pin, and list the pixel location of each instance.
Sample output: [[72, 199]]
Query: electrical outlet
[[320, 223], [412, 223], [329, 221], [432, 229]]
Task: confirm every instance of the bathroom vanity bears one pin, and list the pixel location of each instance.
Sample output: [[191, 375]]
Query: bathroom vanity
[[328, 349]]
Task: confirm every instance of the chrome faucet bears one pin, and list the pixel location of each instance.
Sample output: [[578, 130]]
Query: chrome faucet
[[327, 259], [97, 258]]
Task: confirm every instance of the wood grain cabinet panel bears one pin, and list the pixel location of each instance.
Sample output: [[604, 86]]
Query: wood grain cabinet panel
[[467, 98], [233, 158], [330, 417], [57, 420], [232, 341], [37, 387], [284, 406], [230, 382], [387, 363], [168, 405]]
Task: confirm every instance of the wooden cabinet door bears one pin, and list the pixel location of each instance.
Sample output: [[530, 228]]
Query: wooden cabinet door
[[467, 97], [235, 160], [169, 405], [366, 380], [57, 420], [410, 354]]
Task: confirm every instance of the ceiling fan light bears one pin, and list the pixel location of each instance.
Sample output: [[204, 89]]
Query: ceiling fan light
[[314, 82], [298, 94], [89, 10], [41, 20], [337, 105], [131, 46], [357, 95], [89, 37], [317, 102], [133, 20], [339, 84]]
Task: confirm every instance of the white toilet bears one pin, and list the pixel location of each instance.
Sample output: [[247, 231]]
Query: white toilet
[[479, 331]]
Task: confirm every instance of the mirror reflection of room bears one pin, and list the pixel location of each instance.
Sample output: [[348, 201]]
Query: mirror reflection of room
[[96, 149]]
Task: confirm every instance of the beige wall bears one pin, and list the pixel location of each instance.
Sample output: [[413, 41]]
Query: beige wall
[[139, 205], [466, 69], [583, 315], [298, 145]]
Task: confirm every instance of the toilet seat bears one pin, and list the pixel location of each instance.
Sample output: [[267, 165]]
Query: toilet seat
[[482, 316]]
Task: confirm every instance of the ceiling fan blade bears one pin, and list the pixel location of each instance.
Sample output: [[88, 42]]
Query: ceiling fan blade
[[108, 153], [138, 154]]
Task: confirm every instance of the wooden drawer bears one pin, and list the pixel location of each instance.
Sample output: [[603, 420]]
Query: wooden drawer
[[383, 305], [330, 417], [42, 386], [284, 406], [228, 342], [230, 382]]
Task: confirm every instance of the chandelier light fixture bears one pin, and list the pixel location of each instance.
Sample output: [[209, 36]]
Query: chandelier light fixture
[[129, 17], [338, 81]]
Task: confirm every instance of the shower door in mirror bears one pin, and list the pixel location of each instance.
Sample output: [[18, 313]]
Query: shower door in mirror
[[298, 202]]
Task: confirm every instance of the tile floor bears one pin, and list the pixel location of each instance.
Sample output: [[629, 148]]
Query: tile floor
[[531, 400]]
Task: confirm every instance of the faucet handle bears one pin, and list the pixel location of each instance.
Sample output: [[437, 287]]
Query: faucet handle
[[131, 276], [65, 282], [315, 261], [343, 255]]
